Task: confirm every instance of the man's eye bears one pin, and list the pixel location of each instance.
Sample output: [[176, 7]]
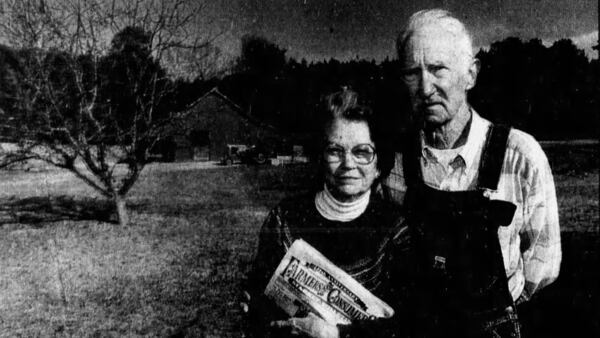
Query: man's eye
[[436, 69], [410, 72], [410, 75]]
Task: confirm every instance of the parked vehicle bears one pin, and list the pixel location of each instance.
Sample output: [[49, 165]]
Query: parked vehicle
[[233, 154], [255, 155], [246, 154]]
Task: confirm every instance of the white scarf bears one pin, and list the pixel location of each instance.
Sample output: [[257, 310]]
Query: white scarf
[[334, 210]]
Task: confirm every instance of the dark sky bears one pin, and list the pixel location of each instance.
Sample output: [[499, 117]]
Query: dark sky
[[320, 29]]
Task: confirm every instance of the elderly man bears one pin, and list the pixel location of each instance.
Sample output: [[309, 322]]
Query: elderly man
[[481, 197]]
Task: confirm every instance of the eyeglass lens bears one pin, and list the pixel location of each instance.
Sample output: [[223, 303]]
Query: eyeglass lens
[[362, 153]]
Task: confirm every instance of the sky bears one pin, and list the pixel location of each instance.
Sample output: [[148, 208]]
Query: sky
[[346, 29]]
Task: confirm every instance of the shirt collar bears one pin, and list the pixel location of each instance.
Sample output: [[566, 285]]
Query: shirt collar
[[475, 140]]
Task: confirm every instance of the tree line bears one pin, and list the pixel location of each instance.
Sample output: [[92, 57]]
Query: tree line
[[548, 91]]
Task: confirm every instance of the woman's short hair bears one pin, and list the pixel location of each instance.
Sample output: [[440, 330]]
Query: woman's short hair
[[347, 105]]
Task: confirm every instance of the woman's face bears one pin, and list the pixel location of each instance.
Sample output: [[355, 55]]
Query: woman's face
[[348, 149]]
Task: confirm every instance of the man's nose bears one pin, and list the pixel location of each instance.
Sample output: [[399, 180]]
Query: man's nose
[[426, 85]]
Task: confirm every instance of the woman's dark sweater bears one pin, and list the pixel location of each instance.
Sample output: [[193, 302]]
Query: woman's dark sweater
[[361, 247]]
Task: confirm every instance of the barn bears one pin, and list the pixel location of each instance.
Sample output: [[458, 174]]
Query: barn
[[203, 131]]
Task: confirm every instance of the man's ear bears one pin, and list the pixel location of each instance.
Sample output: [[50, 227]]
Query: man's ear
[[472, 73]]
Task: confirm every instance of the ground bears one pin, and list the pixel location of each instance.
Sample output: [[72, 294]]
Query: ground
[[67, 270]]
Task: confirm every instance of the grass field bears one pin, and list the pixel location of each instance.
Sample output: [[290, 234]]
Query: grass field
[[66, 270]]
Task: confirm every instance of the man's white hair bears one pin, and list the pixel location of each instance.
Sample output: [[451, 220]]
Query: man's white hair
[[442, 19]]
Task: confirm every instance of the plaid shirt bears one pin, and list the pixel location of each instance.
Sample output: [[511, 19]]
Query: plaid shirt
[[531, 244]]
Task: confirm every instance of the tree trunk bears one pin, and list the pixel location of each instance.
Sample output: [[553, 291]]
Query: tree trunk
[[121, 210]]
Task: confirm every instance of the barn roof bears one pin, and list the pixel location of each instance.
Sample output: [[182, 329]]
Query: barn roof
[[215, 92]]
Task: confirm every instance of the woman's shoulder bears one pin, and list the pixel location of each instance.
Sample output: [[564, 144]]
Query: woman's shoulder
[[296, 203], [294, 209]]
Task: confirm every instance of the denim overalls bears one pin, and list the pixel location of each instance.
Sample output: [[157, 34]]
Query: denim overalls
[[461, 283]]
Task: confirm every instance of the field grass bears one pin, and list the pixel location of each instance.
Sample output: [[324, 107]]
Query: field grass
[[176, 269]]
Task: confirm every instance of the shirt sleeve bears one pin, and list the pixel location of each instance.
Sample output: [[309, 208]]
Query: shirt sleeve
[[271, 249], [540, 234]]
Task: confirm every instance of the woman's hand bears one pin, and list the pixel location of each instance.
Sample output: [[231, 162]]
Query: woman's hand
[[245, 302], [311, 325]]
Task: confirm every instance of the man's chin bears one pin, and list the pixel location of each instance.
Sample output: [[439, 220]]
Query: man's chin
[[433, 113], [434, 119]]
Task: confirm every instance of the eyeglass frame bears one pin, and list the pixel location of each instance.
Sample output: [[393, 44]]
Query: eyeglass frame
[[341, 156]]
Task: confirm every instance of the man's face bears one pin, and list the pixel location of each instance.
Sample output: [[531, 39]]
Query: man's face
[[438, 74]]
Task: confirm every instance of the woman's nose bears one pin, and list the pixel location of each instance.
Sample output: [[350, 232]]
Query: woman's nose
[[348, 160]]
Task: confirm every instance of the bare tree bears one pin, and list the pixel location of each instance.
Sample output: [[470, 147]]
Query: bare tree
[[64, 116]]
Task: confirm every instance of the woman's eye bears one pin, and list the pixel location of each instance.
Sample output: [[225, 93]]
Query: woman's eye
[[363, 151], [333, 151]]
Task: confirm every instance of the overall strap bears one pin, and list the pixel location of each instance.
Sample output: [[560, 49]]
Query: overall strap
[[411, 166], [492, 157]]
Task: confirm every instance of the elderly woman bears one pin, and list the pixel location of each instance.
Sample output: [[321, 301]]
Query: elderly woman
[[346, 220]]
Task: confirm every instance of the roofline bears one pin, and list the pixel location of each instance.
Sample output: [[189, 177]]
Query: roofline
[[237, 108], [215, 91]]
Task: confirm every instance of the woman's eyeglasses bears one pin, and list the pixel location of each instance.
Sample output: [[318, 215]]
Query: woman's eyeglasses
[[361, 154]]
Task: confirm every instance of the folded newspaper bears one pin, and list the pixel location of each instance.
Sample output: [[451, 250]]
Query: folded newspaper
[[307, 281]]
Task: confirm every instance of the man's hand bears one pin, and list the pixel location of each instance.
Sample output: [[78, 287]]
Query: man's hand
[[311, 325]]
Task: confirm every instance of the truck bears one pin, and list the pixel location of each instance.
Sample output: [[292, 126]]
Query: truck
[[246, 154]]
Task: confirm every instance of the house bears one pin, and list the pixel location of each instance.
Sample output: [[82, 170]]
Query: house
[[203, 131]]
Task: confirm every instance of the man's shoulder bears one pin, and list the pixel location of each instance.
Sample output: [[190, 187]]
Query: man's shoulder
[[519, 143], [525, 146], [524, 154]]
